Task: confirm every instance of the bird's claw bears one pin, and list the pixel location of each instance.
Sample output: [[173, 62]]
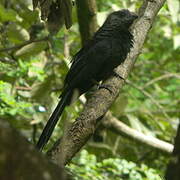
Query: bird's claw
[[106, 86], [118, 76]]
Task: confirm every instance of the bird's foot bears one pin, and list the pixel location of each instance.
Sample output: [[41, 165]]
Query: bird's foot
[[117, 75], [106, 86]]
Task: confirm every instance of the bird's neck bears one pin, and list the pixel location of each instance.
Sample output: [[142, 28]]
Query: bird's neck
[[116, 32]]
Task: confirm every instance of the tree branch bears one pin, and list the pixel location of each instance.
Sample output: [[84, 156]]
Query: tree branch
[[86, 10], [101, 100], [119, 127], [165, 76], [23, 44]]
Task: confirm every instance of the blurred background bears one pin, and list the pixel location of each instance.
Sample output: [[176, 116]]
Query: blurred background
[[33, 67]]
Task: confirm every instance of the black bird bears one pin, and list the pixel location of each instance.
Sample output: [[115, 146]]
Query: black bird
[[94, 62]]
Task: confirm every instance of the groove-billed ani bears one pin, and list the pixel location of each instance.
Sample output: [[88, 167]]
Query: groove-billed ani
[[94, 62]]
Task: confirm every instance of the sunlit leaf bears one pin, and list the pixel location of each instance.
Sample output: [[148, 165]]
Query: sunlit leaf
[[176, 39], [30, 50], [7, 14], [174, 9], [17, 34]]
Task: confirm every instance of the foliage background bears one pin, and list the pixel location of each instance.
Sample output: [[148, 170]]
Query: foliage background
[[31, 78]]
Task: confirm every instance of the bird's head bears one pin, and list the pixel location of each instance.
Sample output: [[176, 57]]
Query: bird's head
[[122, 18]]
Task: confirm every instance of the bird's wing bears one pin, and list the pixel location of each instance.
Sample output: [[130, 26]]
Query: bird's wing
[[88, 62], [82, 51]]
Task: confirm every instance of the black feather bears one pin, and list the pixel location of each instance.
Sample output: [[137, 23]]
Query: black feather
[[48, 129]]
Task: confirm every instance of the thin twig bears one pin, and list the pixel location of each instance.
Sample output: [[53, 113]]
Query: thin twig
[[66, 47], [145, 93], [157, 111], [23, 88], [7, 60], [165, 76], [23, 44], [115, 125], [116, 145]]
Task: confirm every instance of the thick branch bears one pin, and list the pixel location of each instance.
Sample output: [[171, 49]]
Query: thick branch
[[101, 100], [86, 10], [23, 44], [119, 127]]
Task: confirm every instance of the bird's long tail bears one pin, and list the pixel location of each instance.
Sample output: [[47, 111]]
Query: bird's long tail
[[48, 129]]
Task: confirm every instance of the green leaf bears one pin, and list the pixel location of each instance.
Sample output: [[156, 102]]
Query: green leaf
[[7, 14], [30, 50], [174, 9], [17, 34]]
